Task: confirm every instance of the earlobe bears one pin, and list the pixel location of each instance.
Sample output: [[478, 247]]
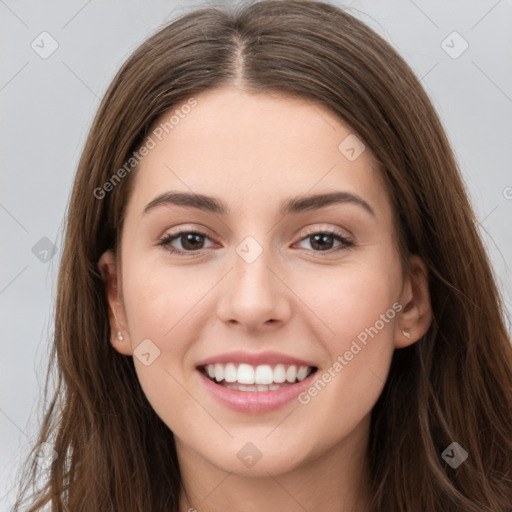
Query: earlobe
[[117, 318], [416, 315]]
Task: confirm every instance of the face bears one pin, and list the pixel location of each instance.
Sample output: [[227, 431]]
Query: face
[[262, 321]]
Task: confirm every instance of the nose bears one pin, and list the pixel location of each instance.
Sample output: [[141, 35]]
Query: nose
[[254, 295]]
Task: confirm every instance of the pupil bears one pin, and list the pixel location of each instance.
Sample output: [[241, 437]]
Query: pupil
[[321, 240], [189, 239]]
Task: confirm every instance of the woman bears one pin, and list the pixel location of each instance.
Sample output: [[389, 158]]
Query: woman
[[272, 294]]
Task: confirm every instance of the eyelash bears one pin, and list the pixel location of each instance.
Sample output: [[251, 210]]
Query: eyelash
[[170, 237]]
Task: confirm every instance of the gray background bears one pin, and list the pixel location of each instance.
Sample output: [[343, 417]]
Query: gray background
[[48, 104]]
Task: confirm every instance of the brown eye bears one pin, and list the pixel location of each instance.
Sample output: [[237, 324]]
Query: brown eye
[[323, 241], [190, 242]]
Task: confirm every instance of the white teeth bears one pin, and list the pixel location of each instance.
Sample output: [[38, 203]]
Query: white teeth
[[279, 374], [259, 387], [245, 374], [263, 374], [230, 373], [219, 372], [291, 373], [302, 373], [262, 377]]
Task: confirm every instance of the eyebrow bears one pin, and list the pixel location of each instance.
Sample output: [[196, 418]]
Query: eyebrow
[[292, 205]]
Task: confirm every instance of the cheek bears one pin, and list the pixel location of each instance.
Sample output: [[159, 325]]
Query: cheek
[[168, 306], [160, 305], [358, 308], [351, 299], [160, 300], [364, 302]]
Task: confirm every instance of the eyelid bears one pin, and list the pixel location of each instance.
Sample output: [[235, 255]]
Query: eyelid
[[187, 228], [334, 230]]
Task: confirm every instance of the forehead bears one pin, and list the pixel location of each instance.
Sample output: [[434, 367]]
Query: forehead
[[253, 148]]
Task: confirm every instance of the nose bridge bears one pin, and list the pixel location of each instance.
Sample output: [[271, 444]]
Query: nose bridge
[[253, 295], [253, 281]]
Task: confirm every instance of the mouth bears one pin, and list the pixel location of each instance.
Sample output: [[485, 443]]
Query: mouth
[[261, 378]]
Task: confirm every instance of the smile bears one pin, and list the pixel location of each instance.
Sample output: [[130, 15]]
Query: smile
[[250, 388], [261, 378]]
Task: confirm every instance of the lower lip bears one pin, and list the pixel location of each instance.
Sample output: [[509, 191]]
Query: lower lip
[[255, 401]]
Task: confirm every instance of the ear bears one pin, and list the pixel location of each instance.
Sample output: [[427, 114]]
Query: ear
[[117, 314], [416, 316]]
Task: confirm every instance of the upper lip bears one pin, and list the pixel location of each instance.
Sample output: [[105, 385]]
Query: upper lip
[[255, 359]]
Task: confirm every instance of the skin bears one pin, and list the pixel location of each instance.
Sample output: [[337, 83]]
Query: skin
[[254, 152]]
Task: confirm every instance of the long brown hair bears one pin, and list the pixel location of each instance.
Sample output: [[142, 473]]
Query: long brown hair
[[454, 385]]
